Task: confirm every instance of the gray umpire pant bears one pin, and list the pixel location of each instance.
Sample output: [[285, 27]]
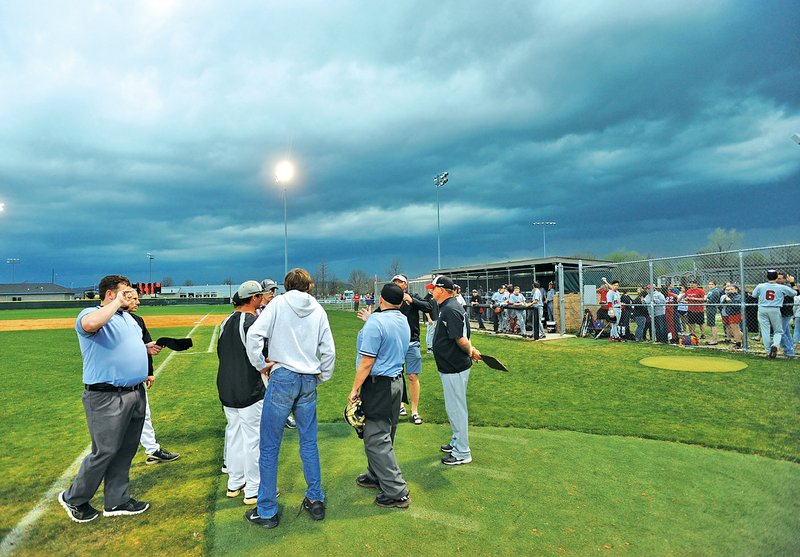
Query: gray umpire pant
[[379, 448], [454, 386], [115, 425], [769, 320]]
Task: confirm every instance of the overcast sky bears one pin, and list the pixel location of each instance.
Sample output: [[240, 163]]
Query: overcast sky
[[154, 126]]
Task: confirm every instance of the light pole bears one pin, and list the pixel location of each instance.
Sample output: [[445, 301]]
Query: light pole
[[150, 258], [12, 261], [439, 181], [283, 173], [544, 225]]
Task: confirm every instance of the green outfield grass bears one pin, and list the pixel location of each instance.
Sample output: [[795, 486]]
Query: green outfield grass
[[574, 452]]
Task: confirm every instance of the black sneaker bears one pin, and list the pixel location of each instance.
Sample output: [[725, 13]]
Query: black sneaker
[[78, 513], [252, 517], [382, 501], [290, 423], [131, 507], [403, 411], [773, 352], [365, 481], [316, 508], [446, 448], [161, 456], [453, 461]]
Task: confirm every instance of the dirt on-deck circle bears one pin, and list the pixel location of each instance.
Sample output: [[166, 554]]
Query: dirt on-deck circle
[[694, 364], [153, 322]]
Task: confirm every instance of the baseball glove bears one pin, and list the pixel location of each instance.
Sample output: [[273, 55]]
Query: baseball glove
[[355, 417]]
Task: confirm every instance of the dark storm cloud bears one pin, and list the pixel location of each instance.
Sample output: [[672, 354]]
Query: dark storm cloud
[[155, 126]]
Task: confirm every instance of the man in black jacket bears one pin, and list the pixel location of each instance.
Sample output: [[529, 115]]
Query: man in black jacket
[[241, 391]]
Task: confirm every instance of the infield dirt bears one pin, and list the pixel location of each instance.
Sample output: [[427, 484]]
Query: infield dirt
[[153, 322]]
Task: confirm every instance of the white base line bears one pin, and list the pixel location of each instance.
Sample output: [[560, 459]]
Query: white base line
[[213, 339], [15, 537]]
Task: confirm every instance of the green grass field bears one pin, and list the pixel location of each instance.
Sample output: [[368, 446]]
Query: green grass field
[[578, 450]]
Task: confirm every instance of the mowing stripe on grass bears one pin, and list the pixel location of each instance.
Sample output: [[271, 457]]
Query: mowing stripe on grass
[[17, 535], [454, 521]]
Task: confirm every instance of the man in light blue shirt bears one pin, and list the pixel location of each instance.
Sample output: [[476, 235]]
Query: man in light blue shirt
[[114, 370], [770, 296], [382, 344], [517, 301], [658, 313]]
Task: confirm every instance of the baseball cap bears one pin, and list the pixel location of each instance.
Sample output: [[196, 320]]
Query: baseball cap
[[441, 281], [392, 293], [772, 274], [268, 284], [401, 278], [249, 288]]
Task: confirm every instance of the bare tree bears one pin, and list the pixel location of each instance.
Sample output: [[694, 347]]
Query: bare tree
[[321, 278], [167, 281], [394, 268], [227, 281], [188, 282], [360, 281]]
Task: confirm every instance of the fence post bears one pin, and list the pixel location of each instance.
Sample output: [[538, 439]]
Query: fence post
[[652, 310], [562, 311], [580, 287], [745, 343]]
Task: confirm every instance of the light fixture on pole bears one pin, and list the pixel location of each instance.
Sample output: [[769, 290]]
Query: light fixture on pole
[[12, 261], [150, 257], [283, 173], [544, 225], [439, 181]]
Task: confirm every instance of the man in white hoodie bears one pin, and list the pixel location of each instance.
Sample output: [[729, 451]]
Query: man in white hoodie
[[301, 354]]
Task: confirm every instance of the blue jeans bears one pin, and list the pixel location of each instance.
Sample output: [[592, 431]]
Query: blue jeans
[[296, 393]]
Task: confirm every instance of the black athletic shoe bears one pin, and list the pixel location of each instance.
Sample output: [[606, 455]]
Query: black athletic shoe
[[316, 509], [773, 352], [382, 501], [446, 448], [365, 481], [161, 456], [78, 513], [290, 423], [131, 507], [252, 517], [453, 461]]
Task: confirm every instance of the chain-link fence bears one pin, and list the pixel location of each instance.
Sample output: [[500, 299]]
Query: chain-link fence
[[700, 299]]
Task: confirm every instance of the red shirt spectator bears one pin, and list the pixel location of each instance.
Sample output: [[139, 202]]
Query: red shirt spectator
[[696, 298]]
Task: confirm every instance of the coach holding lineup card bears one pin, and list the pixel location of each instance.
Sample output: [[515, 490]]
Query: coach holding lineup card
[[454, 355], [114, 370]]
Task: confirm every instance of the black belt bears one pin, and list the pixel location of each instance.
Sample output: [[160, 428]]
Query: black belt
[[385, 377], [108, 388]]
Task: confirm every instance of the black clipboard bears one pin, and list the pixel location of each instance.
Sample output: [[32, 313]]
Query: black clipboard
[[493, 362]]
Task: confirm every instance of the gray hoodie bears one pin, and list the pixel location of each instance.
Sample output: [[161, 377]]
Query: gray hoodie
[[299, 336]]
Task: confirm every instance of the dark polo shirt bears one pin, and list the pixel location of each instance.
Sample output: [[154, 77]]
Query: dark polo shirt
[[451, 325]]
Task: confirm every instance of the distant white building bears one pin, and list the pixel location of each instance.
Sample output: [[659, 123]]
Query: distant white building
[[35, 291], [199, 291]]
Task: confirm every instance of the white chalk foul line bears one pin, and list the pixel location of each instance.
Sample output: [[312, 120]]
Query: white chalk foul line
[[213, 339], [15, 537]]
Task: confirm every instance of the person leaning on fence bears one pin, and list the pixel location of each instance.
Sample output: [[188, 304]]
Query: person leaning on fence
[[551, 295], [786, 315], [641, 315], [517, 302], [731, 312], [659, 313], [381, 351], [696, 298], [712, 305], [770, 296], [496, 307], [614, 307]]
